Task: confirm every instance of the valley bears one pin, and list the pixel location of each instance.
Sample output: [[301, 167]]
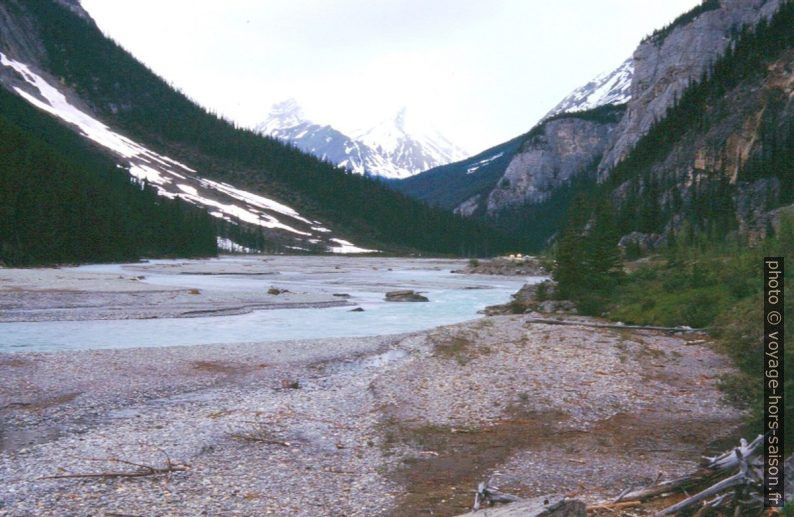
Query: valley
[[209, 315]]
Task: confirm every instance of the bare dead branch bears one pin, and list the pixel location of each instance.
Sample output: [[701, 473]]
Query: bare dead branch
[[139, 469]]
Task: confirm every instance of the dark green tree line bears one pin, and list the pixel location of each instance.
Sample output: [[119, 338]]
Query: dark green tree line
[[61, 201]]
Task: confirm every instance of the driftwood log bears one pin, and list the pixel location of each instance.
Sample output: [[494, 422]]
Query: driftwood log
[[513, 506], [489, 494], [736, 482], [544, 321], [546, 506]]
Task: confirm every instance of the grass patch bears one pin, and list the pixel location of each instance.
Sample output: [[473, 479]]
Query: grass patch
[[448, 462], [457, 347], [718, 288], [664, 294]]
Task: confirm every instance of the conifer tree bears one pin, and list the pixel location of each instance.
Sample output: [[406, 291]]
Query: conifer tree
[[570, 270], [604, 262]]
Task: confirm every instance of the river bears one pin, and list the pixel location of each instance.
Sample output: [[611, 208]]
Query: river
[[453, 298]]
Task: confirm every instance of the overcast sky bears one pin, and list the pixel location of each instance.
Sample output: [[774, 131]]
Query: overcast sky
[[480, 71]]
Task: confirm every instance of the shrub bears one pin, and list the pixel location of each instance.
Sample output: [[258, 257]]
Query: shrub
[[591, 304], [675, 281], [700, 308], [542, 292]]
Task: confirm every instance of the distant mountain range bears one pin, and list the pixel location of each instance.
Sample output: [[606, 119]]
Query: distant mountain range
[[391, 149]]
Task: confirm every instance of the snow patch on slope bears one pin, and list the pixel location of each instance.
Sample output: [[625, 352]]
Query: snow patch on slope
[[147, 166], [608, 88], [348, 247], [229, 245], [474, 168]]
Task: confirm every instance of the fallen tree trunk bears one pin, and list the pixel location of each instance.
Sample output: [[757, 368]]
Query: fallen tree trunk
[[610, 325], [741, 491], [714, 468], [547, 506], [748, 477]]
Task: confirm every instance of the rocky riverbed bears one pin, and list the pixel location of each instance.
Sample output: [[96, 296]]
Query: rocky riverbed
[[398, 425]]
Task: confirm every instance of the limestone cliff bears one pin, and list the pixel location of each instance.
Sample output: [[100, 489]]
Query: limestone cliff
[[666, 63], [557, 151]]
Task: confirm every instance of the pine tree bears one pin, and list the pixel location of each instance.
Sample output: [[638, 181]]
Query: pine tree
[[602, 255], [570, 270]]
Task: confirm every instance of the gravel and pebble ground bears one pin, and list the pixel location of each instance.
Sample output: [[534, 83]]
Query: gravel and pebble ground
[[385, 425], [70, 294]]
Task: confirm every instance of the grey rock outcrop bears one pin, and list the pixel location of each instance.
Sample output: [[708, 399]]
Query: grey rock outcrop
[[666, 64], [468, 207], [513, 265], [531, 298], [552, 306], [644, 242], [660, 69], [18, 37], [558, 150]]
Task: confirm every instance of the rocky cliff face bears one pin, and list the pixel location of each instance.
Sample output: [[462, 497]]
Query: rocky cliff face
[[559, 150], [666, 63], [748, 122], [650, 82], [18, 38]]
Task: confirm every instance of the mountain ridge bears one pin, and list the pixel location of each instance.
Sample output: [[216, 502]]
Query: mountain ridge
[[612, 88], [390, 149]]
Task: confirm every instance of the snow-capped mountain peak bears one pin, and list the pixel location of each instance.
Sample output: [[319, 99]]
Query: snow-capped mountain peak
[[283, 115], [387, 134], [395, 148], [406, 147], [608, 88]]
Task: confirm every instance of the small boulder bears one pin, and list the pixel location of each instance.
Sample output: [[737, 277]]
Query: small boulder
[[565, 306], [290, 384], [357, 309], [406, 295]]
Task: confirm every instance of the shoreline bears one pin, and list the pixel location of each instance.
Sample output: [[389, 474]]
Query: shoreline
[[372, 426]]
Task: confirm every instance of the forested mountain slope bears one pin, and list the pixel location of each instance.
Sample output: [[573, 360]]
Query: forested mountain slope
[[721, 161], [63, 201], [56, 57]]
